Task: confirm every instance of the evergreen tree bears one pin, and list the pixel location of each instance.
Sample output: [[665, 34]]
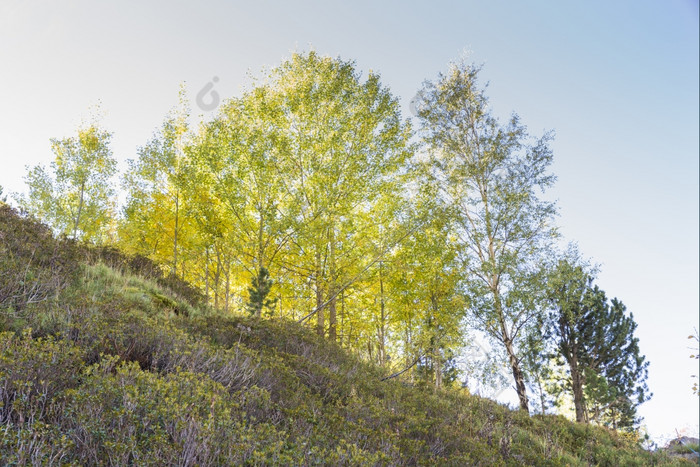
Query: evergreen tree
[[258, 292], [595, 337]]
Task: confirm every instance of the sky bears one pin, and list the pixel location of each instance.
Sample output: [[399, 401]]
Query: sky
[[616, 81]]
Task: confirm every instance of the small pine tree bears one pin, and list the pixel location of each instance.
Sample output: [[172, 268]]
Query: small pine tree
[[258, 292]]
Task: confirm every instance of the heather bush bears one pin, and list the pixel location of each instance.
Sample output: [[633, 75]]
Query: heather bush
[[123, 415], [32, 373], [34, 267]]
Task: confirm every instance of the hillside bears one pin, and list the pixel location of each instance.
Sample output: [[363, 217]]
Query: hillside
[[100, 366]]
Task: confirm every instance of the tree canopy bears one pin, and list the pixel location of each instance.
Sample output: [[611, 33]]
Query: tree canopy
[[75, 196]]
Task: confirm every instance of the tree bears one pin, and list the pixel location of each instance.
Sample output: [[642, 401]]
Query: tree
[[345, 144], [436, 304], [258, 292], [235, 186], [76, 197], [491, 175], [616, 376], [427, 286], [575, 303], [153, 216], [606, 372]]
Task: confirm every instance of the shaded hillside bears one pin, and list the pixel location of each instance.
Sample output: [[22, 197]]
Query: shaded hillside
[[109, 368]]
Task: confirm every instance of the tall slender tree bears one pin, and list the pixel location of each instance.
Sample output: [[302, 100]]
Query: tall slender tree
[[492, 175], [154, 219]]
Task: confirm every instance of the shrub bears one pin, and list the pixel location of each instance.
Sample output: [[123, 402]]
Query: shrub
[[126, 416], [32, 373], [34, 266], [137, 381]]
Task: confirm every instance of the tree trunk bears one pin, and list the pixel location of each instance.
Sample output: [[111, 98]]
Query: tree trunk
[[342, 319], [206, 275], [261, 260], [177, 220], [577, 386], [407, 347], [320, 317], [434, 341], [437, 363], [228, 285], [508, 342], [217, 278], [80, 211], [382, 322], [332, 320], [518, 377]]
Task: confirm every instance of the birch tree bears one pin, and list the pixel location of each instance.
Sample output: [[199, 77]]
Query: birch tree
[[154, 218], [345, 141], [492, 175], [75, 196]]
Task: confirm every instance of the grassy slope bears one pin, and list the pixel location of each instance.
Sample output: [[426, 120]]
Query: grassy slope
[[119, 371]]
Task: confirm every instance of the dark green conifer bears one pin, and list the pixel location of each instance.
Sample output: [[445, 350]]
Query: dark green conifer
[[606, 371], [258, 292]]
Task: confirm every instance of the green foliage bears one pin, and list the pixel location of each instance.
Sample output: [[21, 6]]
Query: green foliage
[[307, 175], [34, 371], [131, 416], [258, 292], [606, 372], [289, 177], [76, 197]]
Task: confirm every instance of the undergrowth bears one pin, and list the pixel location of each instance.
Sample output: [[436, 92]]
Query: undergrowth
[[113, 368]]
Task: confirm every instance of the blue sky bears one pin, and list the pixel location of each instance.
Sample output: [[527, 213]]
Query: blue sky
[[617, 81]]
